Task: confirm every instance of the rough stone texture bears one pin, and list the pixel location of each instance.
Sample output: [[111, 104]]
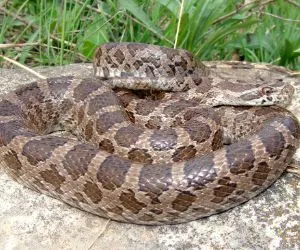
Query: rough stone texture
[[30, 220]]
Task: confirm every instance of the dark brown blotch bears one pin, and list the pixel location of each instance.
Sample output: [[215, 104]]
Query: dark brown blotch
[[106, 145], [202, 112], [154, 180], [198, 131], [183, 201], [119, 56], [184, 153], [101, 101], [176, 107], [107, 120], [59, 85], [137, 64], [134, 47], [240, 157], [80, 197], [217, 141], [88, 131], [30, 94], [40, 150], [129, 201], [273, 141], [127, 136], [140, 155], [77, 160], [162, 140], [200, 171], [147, 217], [235, 87], [11, 129], [9, 109], [291, 123], [145, 107], [116, 210], [112, 172], [156, 211], [92, 191], [86, 87], [225, 188], [154, 122], [52, 176], [130, 116], [12, 161], [80, 114], [261, 174]]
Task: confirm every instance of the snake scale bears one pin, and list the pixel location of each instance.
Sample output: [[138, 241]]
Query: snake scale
[[169, 145]]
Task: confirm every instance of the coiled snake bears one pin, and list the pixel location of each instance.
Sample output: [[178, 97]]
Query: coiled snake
[[192, 146]]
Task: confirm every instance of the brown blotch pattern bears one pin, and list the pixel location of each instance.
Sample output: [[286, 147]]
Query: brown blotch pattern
[[162, 140], [197, 130], [203, 112], [86, 87], [129, 201], [139, 155], [240, 157], [112, 172], [59, 85], [217, 141], [77, 160], [156, 211], [261, 174], [130, 116], [127, 136], [106, 145], [107, 120], [101, 101], [137, 64], [88, 131], [198, 172], [40, 150], [183, 201], [147, 217], [80, 197], [9, 109], [52, 176], [205, 85], [145, 107], [184, 153], [154, 180], [116, 210], [80, 114], [154, 122], [235, 87], [30, 94], [119, 56], [11, 160], [291, 124], [10, 130], [175, 108], [92, 191], [225, 188], [273, 141]]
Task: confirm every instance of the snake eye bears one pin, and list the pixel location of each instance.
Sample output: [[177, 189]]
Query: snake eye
[[267, 91]]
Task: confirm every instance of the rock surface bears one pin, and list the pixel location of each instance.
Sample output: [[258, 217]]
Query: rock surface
[[33, 221]]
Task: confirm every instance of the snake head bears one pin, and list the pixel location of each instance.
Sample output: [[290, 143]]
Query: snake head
[[269, 94]]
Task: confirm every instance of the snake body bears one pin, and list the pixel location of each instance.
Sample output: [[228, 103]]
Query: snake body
[[147, 160]]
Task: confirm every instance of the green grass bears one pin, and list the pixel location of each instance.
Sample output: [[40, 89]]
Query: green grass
[[69, 31]]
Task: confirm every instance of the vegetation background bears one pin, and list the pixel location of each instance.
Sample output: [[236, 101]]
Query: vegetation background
[[61, 32]]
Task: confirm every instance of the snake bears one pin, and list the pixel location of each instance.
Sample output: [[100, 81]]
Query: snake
[[151, 138]]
